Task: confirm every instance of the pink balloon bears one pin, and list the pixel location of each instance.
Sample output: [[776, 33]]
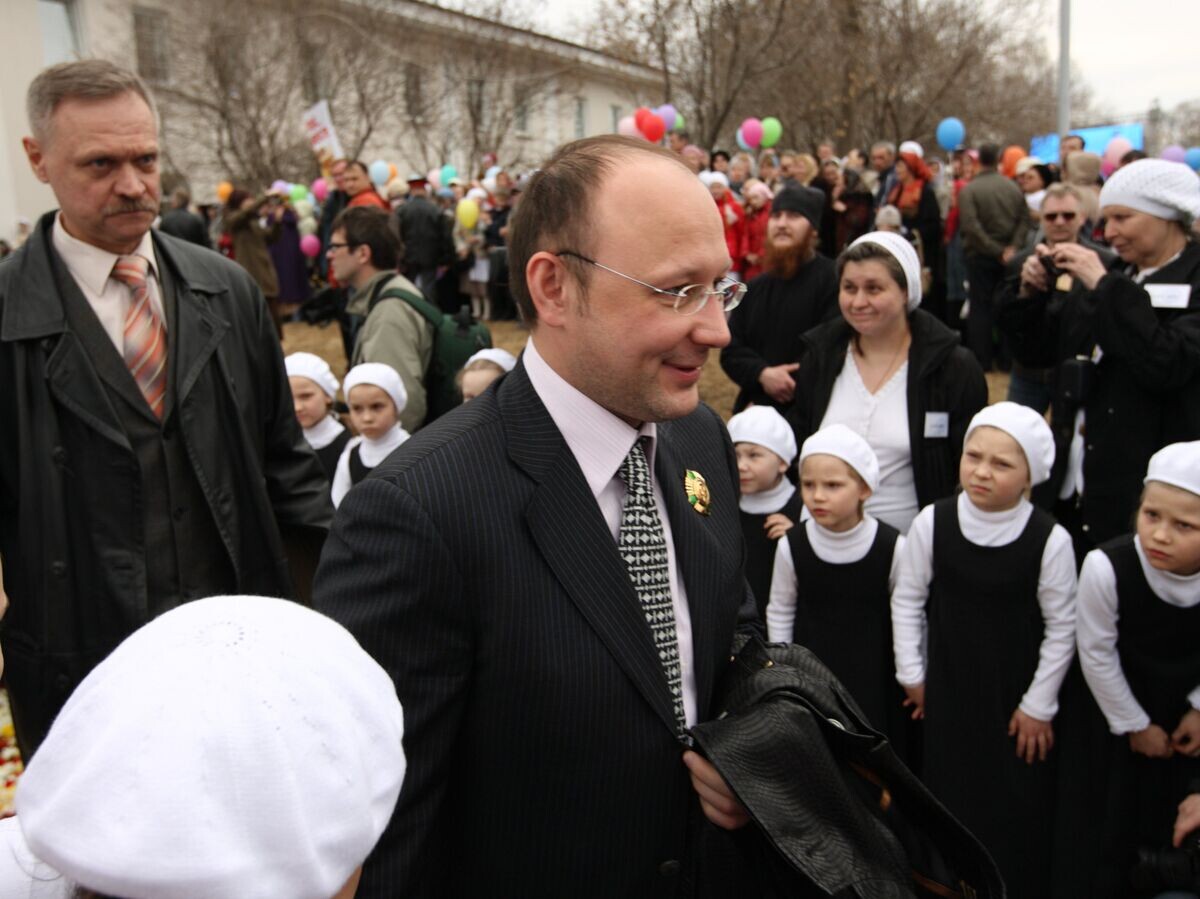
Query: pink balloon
[[628, 127], [1173, 153], [434, 178], [752, 132], [310, 245], [1117, 147], [320, 190], [1107, 168]]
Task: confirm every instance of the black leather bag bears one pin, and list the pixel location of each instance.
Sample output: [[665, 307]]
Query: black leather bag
[[837, 813]]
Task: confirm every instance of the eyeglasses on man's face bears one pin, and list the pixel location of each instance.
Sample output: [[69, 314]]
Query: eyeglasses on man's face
[[685, 300], [331, 246], [1055, 216]]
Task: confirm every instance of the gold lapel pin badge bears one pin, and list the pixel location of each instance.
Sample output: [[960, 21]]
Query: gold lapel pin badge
[[697, 491]]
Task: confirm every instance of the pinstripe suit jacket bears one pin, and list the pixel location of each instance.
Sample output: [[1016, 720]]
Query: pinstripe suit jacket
[[476, 567]]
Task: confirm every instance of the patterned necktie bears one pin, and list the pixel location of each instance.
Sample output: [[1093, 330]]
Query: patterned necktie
[[643, 547], [145, 336]]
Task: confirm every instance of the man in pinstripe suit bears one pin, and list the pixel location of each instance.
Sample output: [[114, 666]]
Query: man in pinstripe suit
[[485, 564]]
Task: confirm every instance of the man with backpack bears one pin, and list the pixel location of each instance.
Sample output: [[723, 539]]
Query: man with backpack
[[400, 328]]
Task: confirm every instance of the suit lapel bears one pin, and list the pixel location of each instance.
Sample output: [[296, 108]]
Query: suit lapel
[[698, 555], [193, 336], [575, 541]]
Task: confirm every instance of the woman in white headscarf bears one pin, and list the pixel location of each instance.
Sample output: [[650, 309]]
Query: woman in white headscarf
[[892, 373]]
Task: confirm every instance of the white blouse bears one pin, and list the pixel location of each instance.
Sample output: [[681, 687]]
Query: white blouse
[[372, 453], [766, 502], [832, 547], [1097, 634], [882, 420], [1055, 594], [323, 432]]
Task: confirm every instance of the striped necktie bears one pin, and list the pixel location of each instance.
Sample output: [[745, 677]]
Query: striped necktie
[[145, 337], [642, 543]]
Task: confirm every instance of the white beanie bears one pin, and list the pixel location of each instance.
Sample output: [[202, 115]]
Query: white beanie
[[904, 253], [503, 358], [313, 367], [1025, 426], [379, 375], [1177, 464], [234, 746], [764, 426], [1026, 163], [1166, 190], [847, 445], [911, 146]]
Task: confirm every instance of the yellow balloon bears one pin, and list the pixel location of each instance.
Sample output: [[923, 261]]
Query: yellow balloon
[[467, 212], [224, 189]]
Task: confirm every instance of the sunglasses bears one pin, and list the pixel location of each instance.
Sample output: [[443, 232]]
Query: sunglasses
[[1055, 216]]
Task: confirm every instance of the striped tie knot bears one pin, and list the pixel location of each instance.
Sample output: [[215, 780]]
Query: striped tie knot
[[145, 348], [131, 270]]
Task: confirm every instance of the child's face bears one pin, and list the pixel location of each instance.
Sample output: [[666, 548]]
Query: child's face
[[477, 380], [993, 471], [1168, 525], [832, 492], [310, 402], [759, 469], [371, 410]]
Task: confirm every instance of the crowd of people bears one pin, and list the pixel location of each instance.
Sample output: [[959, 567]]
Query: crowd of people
[[540, 568]]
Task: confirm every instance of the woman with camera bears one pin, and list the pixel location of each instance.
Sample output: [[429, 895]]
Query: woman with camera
[[1126, 345]]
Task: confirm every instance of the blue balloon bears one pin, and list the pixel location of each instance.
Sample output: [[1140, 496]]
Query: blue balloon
[[950, 133], [1192, 158], [741, 141], [380, 172]]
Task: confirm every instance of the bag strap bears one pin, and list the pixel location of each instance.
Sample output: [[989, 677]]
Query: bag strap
[[422, 305]]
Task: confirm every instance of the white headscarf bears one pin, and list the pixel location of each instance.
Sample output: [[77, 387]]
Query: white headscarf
[[904, 253], [378, 375], [840, 441], [764, 426], [1177, 464], [1025, 426], [1166, 190]]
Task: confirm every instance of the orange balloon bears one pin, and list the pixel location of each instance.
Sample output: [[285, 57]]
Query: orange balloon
[[393, 171], [1008, 161], [224, 189]]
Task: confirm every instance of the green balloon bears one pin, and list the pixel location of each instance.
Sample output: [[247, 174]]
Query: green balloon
[[679, 123], [772, 131], [299, 192]]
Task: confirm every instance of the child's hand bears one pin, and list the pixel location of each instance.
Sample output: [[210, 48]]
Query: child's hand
[[777, 524], [916, 699], [1152, 742], [1186, 739], [1035, 738]]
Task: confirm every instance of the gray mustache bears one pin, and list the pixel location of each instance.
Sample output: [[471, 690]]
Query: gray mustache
[[133, 206]]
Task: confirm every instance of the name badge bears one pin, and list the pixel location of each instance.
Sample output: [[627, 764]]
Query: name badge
[[937, 424], [1169, 296]]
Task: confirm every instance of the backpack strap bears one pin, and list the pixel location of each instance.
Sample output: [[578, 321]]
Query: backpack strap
[[422, 305]]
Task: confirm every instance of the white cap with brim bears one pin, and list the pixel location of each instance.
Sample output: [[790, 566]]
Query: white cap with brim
[[1177, 464], [764, 426], [847, 445], [1025, 426], [234, 746]]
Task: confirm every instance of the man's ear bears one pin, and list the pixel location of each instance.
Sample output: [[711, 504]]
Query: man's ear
[[550, 286], [37, 158]]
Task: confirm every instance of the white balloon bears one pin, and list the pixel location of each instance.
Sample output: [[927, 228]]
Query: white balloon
[[307, 225], [304, 209]]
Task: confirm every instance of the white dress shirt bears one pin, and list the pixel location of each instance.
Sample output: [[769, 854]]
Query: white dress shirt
[[92, 267], [881, 419], [600, 441], [832, 547], [1097, 634], [1055, 595], [371, 452]]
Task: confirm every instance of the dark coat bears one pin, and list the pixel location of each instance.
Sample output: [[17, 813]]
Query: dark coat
[[475, 565], [426, 234], [70, 520], [942, 377], [1145, 390], [186, 225]]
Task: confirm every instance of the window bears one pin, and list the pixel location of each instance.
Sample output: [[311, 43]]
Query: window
[[580, 117], [616, 117], [150, 38], [414, 98], [59, 40], [521, 107], [475, 100]]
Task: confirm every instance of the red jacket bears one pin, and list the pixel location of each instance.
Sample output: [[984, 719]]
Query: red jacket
[[756, 239], [734, 218]]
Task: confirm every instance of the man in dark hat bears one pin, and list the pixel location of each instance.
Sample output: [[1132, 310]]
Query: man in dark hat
[[797, 291], [426, 236]]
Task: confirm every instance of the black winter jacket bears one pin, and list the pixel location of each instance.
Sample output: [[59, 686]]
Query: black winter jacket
[[942, 378]]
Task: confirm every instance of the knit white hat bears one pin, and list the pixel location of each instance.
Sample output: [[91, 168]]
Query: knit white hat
[[1166, 190], [1177, 464], [766, 427], [905, 255], [847, 445], [1025, 426], [711, 178], [1026, 163], [503, 358], [234, 746], [379, 375], [313, 367]]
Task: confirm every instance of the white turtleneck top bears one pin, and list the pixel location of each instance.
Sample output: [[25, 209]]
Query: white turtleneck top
[[1056, 597], [323, 432], [766, 502], [1097, 634], [372, 453]]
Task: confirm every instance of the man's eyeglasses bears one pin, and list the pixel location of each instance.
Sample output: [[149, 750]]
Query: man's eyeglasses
[[1055, 216], [338, 246], [686, 300]]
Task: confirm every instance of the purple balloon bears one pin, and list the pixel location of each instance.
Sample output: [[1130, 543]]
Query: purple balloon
[[280, 186], [667, 113], [1173, 153]]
